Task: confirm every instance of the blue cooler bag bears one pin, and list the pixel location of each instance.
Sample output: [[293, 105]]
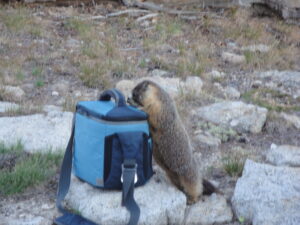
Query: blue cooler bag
[[110, 148]]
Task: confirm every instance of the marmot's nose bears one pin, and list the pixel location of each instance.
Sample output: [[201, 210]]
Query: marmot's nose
[[134, 95]]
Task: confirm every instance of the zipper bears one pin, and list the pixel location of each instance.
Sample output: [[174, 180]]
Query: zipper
[[85, 113]]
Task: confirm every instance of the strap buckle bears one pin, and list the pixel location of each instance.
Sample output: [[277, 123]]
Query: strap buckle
[[129, 165]]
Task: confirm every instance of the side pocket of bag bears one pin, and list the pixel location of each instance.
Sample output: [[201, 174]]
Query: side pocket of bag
[[147, 156], [112, 163]]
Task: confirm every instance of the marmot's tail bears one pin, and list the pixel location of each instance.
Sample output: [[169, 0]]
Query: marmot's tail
[[209, 188]]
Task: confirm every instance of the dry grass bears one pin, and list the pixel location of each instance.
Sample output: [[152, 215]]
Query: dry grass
[[272, 100], [22, 110], [20, 21]]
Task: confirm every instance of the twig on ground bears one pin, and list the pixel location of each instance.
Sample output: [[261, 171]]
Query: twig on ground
[[135, 12], [131, 49], [128, 11], [159, 8], [149, 16]]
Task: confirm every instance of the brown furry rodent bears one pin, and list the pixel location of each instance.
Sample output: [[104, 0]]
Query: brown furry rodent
[[172, 149]]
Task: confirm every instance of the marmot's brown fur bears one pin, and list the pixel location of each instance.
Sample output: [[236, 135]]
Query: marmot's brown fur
[[172, 149]]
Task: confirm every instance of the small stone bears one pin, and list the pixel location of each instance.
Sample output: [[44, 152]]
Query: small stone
[[284, 155], [61, 86], [193, 84], [232, 45], [159, 73], [216, 75], [233, 58], [145, 23], [13, 93], [232, 93], [257, 84], [125, 86], [291, 119], [208, 140], [47, 206], [73, 43], [55, 93], [257, 48], [77, 94], [170, 85]]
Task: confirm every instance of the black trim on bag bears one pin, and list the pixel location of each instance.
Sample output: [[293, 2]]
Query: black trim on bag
[[145, 155], [107, 155]]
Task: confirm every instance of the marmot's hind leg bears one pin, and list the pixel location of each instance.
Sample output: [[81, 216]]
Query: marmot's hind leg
[[193, 189], [175, 179], [172, 176]]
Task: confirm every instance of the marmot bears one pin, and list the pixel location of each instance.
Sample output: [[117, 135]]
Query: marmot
[[172, 149]]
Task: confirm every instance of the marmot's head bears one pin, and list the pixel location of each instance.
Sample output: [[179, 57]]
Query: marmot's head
[[144, 93]]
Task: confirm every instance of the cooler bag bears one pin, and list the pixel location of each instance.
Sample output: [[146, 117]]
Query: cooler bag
[[109, 148]]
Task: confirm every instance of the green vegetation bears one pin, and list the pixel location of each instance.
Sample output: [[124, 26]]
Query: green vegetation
[[95, 76], [25, 170], [82, 28], [37, 71], [272, 100], [15, 22], [234, 165], [39, 83], [223, 133], [20, 76], [20, 21], [244, 31]]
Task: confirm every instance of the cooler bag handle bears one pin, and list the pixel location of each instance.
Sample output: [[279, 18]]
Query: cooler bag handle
[[115, 94]]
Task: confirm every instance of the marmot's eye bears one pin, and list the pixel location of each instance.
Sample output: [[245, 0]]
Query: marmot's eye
[[145, 85]]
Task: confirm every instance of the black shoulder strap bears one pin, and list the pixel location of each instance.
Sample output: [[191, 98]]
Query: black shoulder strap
[[65, 172], [129, 171]]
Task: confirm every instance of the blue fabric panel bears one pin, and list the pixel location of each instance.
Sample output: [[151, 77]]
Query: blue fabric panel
[[88, 154], [132, 146], [113, 180], [107, 110], [99, 107], [89, 146]]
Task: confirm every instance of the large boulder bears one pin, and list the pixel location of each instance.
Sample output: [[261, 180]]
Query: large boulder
[[287, 82], [291, 119], [268, 195], [160, 203], [284, 155], [288, 9], [174, 86], [39, 132], [214, 209], [235, 114]]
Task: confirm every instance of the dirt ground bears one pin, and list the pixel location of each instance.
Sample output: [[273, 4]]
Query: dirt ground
[[59, 55]]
